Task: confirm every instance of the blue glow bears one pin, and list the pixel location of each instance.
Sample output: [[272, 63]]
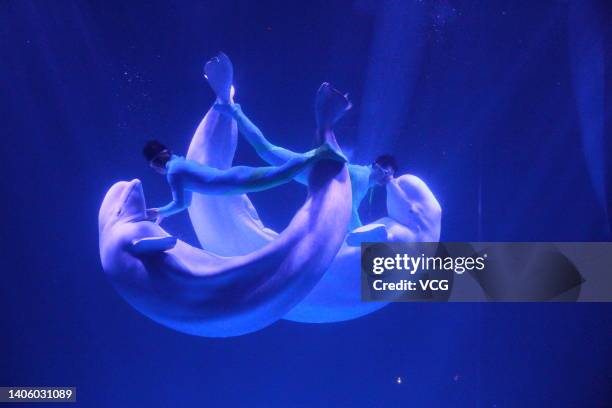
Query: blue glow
[[497, 95]]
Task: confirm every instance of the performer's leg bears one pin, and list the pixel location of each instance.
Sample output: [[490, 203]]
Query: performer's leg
[[245, 179], [271, 153], [330, 105]]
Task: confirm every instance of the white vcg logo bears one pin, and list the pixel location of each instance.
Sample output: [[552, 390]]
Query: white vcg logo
[[434, 284]]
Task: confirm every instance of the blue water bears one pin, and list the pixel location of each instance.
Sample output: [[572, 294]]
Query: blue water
[[501, 107]]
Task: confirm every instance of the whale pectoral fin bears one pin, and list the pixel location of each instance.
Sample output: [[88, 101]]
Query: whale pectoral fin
[[153, 244], [367, 233]]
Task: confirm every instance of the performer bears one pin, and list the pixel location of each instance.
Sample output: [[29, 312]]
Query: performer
[[363, 177], [187, 176]]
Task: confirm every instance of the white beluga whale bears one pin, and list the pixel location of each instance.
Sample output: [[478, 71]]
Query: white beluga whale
[[229, 225], [414, 215], [201, 293]]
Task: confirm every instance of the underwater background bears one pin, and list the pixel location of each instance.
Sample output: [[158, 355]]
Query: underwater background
[[502, 108]]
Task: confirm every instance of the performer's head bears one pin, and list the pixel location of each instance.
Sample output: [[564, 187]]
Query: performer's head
[[157, 155], [383, 170]]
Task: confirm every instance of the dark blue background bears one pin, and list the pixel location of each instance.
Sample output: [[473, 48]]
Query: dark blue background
[[477, 98]]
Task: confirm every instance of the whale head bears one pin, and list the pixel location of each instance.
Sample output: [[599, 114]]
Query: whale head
[[402, 194], [124, 202], [412, 204], [398, 200]]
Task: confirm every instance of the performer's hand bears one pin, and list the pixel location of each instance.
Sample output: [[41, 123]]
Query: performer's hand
[[227, 108], [152, 214]]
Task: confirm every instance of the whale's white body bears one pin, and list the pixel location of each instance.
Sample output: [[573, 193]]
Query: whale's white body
[[201, 293], [229, 225]]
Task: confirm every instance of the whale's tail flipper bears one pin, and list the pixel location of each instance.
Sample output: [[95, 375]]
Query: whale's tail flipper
[[152, 244], [219, 72], [330, 105], [368, 233]]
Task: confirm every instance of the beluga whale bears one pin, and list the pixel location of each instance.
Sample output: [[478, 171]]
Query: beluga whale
[[200, 292]]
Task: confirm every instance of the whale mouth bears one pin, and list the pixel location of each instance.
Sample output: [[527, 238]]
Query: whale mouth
[[124, 202], [133, 202], [130, 188]]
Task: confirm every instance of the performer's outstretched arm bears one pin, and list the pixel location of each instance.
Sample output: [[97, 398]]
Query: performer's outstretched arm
[[181, 198], [273, 154]]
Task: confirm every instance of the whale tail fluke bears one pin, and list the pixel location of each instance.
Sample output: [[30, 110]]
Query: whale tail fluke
[[330, 106]]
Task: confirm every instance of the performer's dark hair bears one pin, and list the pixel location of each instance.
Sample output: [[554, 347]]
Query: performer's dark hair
[[152, 148], [387, 160]]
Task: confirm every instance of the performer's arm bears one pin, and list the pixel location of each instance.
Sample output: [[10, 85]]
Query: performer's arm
[[274, 155], [360, 185], [355, 218], [181, 198]]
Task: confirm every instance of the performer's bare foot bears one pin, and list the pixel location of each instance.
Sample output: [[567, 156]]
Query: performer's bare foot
[[330, 106], [220, 74]]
